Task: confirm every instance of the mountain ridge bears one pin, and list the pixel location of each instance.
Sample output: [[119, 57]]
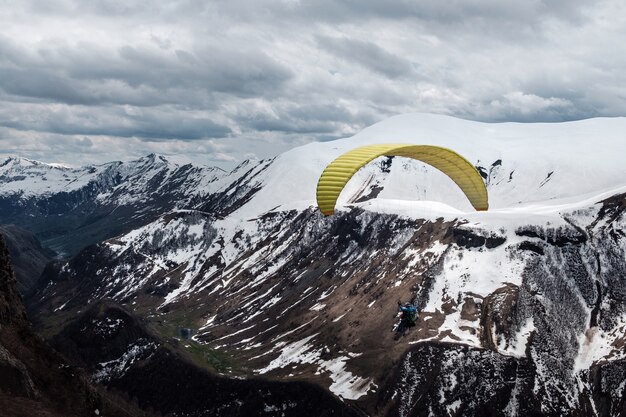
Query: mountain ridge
[[70, 208]]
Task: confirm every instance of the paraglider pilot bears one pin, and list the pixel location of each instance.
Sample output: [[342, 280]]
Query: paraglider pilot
[[408, 317]]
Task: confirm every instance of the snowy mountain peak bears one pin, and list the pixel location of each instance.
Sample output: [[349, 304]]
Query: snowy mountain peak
[[525, 166], [15, 162], [107, 198], [155, 159]]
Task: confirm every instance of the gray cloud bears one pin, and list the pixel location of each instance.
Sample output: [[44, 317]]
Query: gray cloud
[[145, 123], [224, 79], [351, 11], [90, 74], [327, 120], [368, 54]]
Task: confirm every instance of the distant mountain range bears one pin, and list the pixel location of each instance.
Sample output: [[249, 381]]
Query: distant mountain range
[[521, 308], [70, 208]]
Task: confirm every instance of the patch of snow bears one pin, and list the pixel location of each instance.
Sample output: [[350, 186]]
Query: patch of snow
[[236, 333], [117, 367], [597, 345], [518, 345], [295, 352], [318, 307], [339, 318], [61, 307], [344, 383]]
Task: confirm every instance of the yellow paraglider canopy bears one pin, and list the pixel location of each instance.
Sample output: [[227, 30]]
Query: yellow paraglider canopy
[[337, 174]]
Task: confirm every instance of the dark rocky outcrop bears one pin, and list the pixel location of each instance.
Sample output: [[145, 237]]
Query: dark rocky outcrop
[[28, 257], [11, 307], [560, 236], [34, 379], [471, 239], [454, 380], [609, 389]]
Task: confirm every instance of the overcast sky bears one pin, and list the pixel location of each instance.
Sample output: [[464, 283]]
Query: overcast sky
[[221, 81]]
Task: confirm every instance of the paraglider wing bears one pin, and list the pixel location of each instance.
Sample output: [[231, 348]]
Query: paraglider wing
[[337, 174]]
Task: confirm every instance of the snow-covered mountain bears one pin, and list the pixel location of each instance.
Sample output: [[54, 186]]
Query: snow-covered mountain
[[524, 165], [70, 208], [521, 308]]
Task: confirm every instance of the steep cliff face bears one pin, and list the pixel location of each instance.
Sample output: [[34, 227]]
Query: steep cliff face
[[11, 306], [28, 257], [35, 380], [569, 313], [449, 379]]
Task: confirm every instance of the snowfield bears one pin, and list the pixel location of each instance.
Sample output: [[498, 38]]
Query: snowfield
[[528, 166]]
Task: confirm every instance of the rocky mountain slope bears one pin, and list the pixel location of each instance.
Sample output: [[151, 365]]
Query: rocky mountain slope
[[29, 258], [120, 352], [521, 308], [36, 380]]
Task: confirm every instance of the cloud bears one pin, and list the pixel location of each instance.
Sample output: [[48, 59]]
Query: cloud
[[368, 54], [529, 107], [96, 74], [441, 13], [220, 80], [155, 123]]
